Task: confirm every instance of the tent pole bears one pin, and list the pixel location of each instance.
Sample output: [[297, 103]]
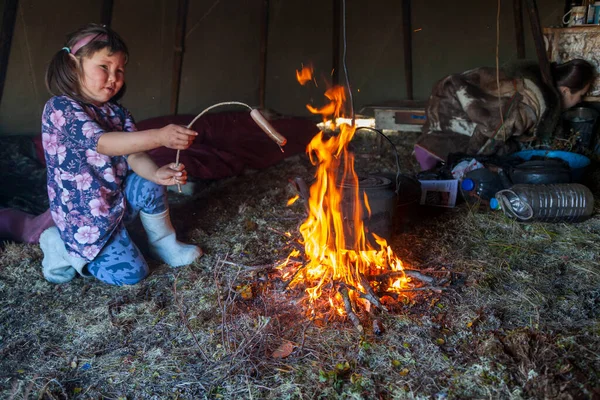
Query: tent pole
[[9, 17], [336, 27], [538, 39], [407, 33], [182, 9], [264, 37], [107, 10], [519, 33]]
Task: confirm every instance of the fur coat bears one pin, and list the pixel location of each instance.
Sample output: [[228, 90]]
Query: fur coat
[[466, 114]]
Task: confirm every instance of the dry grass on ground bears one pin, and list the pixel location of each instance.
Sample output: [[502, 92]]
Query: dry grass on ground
[[520, 319]]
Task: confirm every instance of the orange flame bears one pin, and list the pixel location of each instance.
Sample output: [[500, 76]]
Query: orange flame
[[333, 255], [292, 200], [305, 74]]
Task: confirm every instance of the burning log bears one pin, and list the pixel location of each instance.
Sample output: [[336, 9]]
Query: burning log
[[370, 294], [339, 252], [298, 270], [302, 190], [343, 291], [405, 272], [394, 294]]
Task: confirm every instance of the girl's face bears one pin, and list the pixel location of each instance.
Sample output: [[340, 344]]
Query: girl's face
[[103, 75], [569, 99]]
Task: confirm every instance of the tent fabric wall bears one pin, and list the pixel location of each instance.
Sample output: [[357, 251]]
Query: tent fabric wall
[[148, 28], [221, 59], [39, 32]]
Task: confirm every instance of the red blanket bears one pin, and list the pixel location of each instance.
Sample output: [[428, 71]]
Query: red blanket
[[229, 142]]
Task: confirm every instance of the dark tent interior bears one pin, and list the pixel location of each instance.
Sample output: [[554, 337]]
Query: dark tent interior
[[443, 296]]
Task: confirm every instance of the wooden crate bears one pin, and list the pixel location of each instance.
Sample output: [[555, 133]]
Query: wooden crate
[[400, 118]]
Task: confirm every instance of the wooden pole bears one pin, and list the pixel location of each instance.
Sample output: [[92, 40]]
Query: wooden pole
[[335, 42], [407, 33], [182, 8], [264, 37], [519, 32], [107, 10], [538, 39], [9, 17]]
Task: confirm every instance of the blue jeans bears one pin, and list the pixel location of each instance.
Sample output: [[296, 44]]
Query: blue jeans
[[120, 262]]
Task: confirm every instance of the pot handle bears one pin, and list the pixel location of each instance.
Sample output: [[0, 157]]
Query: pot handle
[[395, 153]]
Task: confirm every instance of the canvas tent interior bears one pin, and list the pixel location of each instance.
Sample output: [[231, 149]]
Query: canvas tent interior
[[519, 319], [249, 51]]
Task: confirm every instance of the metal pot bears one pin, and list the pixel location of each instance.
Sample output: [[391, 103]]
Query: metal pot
[[382, 203]]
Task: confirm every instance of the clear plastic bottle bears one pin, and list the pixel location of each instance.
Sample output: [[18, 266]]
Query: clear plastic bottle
[[562, 202], [480, 185]]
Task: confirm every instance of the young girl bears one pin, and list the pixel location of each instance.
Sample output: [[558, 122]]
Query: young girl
[[99, 178]]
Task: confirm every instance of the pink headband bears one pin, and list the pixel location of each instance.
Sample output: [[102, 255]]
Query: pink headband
[[87, 39]]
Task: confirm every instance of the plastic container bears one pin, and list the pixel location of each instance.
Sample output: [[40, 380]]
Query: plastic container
[[480, 185], [580, 121], [597, 13], [541, 172], [577, 162], [589, 19], [564, 202]]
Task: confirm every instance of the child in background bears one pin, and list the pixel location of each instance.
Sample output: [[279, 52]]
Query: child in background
[[99, 178]]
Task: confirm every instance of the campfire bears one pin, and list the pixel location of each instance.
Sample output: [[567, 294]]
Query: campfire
[[340, 261]]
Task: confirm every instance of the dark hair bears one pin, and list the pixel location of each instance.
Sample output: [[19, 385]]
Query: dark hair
[[63, 74], [575, 74]]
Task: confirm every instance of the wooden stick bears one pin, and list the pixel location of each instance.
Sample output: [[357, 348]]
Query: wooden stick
[[343, 291], [300, 268], [279, 232], [296, 260], [250, 268], [417, 289], [396, 274], [370, 294], [294, 243]]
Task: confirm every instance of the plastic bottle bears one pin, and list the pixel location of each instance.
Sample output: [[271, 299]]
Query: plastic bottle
[[562, 202], [480, 185], [596, 13]]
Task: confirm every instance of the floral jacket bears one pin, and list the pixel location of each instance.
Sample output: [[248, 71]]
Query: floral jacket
[[85, 188]]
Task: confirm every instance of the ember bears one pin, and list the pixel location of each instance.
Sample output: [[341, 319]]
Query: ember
[[343, 267]]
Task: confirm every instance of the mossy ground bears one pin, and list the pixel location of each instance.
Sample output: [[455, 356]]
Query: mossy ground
[[520, 319]]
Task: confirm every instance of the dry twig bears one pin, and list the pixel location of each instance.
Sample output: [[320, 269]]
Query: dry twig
[[184, 317], [250, 268]]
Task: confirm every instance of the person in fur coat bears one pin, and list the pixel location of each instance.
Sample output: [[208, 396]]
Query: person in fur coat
[[470, 113]]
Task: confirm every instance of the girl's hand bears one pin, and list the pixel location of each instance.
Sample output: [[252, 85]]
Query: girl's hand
[[171, 174], [176, 137]]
